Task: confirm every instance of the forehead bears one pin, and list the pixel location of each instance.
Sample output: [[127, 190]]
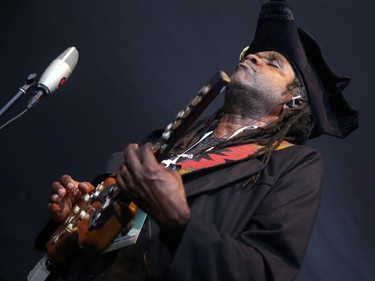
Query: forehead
[[274, 54], [284, 62]]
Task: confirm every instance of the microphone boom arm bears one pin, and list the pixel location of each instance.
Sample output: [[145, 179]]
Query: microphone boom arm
[[30, 81]]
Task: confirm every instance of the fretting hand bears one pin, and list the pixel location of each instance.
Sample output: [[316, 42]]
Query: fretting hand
[[155, 189]]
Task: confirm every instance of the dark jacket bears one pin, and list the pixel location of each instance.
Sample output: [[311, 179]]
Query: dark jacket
[[235, 232]]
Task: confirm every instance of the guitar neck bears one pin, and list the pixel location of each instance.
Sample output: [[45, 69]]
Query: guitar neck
[[186, 117]]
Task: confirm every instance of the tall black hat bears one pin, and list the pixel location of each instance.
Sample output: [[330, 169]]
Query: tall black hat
[[277, 31]]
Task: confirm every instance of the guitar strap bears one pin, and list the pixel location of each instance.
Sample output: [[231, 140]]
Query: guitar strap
[[221, 157]]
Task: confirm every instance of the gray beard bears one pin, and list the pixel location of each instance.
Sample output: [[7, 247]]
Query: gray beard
[[247, 101]]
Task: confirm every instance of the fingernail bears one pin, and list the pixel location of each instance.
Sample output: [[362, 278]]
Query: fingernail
[[70, 185], [61, 192], [122, 169]]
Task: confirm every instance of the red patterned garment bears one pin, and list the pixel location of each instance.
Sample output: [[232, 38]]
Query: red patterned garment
[[220, 157]]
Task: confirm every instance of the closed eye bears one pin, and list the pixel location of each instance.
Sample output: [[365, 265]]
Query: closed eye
[[276, 65], [274, 61]]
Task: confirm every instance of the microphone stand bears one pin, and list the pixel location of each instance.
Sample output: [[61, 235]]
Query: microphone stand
[[30, 81]]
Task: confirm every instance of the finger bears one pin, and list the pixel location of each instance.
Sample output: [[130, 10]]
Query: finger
[[148, 156], [85, 187], [55, 212], [132, 161], [58, 189], [55, 198], [133, 191], [153, 170], [124, 179], [54, 208], [120, 182], [82, 189], [68, 182], [130, 185], [122, 169]]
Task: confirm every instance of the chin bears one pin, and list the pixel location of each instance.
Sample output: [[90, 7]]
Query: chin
[[236, 97], [239, 76]]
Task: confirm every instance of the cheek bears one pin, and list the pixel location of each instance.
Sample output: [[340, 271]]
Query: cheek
[[276, 84]]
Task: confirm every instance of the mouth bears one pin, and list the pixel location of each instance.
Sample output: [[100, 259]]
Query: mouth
[[243, 66]]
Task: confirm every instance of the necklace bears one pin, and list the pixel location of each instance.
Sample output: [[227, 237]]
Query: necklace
[[238, 131]]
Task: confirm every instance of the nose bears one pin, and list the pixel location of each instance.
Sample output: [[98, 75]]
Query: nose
[[254, 59]]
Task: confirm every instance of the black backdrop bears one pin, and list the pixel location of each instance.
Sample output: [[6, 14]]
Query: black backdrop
[[140, 62]]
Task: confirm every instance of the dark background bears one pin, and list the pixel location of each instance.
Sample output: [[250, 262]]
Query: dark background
[[140, 62]]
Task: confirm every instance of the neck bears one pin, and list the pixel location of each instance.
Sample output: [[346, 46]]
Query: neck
[[230, 123]]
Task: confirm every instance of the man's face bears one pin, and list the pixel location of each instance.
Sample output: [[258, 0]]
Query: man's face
[[258, 84]]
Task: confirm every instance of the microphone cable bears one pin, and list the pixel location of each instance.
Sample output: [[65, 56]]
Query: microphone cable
[[14, 118]]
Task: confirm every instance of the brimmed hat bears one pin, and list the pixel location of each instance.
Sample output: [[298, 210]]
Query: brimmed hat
[[277, 31]]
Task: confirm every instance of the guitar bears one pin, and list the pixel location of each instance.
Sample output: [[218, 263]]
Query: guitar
[[101, 215]]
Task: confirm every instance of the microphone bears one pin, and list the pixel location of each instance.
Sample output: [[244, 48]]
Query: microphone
[[55, 75]]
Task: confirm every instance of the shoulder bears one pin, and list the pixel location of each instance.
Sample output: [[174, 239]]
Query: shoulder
[[296, 159], [293, 174], [296, 153]]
